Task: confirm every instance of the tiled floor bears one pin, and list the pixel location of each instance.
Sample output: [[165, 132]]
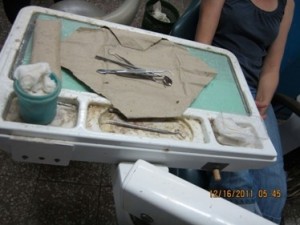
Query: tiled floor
[[44, 194], [81, 193]]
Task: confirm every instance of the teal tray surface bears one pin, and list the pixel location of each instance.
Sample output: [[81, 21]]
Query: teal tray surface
[[221, 95]]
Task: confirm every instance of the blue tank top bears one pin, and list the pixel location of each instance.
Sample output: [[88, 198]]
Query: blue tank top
[[248, 31]]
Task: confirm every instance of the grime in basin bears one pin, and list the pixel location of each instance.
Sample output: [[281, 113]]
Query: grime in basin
[[103, 118]]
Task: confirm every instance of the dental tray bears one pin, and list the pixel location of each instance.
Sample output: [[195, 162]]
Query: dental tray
[[80, 130]]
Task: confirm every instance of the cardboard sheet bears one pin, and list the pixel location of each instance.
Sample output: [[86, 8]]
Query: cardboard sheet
[[136, 98], [46, 44]]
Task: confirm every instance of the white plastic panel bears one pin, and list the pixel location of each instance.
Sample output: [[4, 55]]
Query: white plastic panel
[[41, 151], [167, 199]]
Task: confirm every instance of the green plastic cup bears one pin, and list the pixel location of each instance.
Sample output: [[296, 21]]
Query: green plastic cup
[[39, 109]]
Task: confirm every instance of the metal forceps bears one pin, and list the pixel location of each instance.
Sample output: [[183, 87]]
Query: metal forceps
[[133, 71]]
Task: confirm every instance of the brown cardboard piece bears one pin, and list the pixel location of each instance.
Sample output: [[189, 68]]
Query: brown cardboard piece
[[46, 44], [136, 98]]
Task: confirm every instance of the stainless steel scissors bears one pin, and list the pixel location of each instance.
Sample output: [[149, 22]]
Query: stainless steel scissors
[[133, 71]]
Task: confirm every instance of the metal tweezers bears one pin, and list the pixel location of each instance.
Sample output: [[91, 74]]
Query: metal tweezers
[[133, 71]]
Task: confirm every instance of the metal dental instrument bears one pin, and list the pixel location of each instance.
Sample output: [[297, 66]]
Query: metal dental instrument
[[134, 126], [152, 74], [142, 72]]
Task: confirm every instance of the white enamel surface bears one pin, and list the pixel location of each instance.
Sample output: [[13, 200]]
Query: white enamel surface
[[149, 190]]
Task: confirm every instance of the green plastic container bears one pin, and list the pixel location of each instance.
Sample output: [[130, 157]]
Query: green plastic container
[[152, 24], [38, 109]]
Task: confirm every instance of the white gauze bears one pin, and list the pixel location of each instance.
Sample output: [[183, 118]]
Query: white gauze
[[35, 78], [228, 132]]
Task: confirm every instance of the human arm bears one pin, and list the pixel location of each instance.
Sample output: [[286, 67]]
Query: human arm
[[209, 15], [269, 76]]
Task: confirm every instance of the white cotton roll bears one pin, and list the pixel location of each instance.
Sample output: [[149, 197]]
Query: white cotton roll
[[26, 82], [233, 134], [35, 78], [48, 85]]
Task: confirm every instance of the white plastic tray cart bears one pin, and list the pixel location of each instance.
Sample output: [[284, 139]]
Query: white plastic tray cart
[[75, 133]]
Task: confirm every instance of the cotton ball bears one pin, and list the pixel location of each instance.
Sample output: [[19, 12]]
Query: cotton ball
[[31, 76], [161, 16], [48, 84], [37, 88], [158, 14], [26, 82], [43, 68]]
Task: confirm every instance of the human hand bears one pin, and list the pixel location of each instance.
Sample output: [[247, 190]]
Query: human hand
[[262, 108]]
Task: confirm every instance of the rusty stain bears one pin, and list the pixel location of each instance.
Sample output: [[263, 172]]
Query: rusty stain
[[98, 115]]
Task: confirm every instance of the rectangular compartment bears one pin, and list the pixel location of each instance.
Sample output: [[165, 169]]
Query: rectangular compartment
[[103, 118], [228, 132], [66, 116]]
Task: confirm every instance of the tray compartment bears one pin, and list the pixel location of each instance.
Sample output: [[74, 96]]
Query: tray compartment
[[247, 137], [66, 116], [99, 118]]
